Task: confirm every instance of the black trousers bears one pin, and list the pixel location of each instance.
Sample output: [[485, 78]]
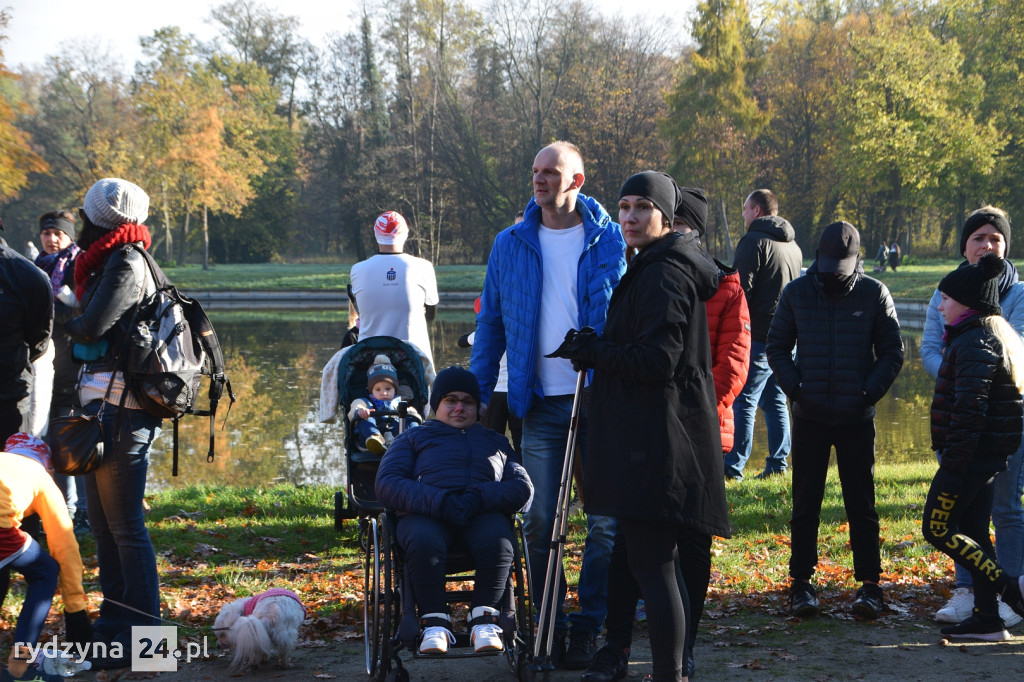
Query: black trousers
[[855, 457], [694, 551], [955, 522], [11, 414], [489, 537], [655, 555]]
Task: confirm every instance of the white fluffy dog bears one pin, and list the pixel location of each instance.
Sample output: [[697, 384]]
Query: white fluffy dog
[[258, 627]]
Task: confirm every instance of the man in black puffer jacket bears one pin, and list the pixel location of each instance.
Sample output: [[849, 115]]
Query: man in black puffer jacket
[[850, 351]]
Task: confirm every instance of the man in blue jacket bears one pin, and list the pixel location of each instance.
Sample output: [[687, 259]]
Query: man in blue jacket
[[550, 273]]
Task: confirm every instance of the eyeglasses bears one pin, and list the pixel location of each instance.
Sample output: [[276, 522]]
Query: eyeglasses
[[450, 402]]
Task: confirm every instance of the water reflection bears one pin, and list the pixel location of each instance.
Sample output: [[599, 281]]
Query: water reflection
[[273, 432]]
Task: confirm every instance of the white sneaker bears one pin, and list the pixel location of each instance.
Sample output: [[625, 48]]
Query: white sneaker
[[1009, 616], [436, 638], [959, 607], [485, 636]]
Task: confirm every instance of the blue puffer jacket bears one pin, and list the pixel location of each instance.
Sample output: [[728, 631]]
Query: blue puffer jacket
[[510, 305], [426, 463], [1011, 300]]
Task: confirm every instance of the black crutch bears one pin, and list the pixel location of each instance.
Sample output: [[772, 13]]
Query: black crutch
[[548, 604]]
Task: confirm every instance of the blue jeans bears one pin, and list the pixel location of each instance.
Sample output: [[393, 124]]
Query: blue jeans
[[545, 432], [124, 551], [40, 571], [759, 391], [1007, 518]]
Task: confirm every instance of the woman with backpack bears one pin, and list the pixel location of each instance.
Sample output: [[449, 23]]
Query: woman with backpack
[[111, 279]]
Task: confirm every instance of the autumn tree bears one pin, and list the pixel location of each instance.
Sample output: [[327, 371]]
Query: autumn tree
[[714, 119], [202, 134], [19, 159], [910, 121]]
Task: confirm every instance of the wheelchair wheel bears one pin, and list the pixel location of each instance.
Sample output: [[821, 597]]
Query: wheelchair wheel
[[378, 599], [519, 651]]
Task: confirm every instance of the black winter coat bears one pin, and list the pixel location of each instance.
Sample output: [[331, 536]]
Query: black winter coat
[[427, 462], [849, 348], [26, 317], [767, 258], [654, 451], [977, 414]]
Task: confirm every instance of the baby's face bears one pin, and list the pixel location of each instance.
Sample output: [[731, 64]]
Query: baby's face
[[383, 390]]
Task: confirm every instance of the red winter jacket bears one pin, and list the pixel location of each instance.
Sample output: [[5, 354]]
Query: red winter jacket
[[729, 329]]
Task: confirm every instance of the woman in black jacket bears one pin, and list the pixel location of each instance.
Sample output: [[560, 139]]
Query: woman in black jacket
[[111, 278], [653, 457], [976, 424]]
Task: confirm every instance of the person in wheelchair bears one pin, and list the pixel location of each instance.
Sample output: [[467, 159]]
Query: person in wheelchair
[[452, 480], [376, 430]]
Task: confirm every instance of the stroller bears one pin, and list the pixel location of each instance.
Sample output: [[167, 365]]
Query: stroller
[[359, 500]]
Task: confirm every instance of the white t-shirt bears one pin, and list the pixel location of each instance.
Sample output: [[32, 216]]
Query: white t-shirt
[[391, 291], [559, 311]]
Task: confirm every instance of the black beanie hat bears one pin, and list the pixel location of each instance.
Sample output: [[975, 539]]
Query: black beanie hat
[[976, 286], [453, 379], [692, 207], [979, 219], [660, 188]]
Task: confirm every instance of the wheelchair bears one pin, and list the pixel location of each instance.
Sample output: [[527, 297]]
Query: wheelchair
[[389, 613]]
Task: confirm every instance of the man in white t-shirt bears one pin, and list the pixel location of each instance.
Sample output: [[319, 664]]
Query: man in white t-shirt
[[396, 293], [550, 273]]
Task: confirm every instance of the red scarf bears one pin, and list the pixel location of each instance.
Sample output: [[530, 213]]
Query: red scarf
[[93, 258]]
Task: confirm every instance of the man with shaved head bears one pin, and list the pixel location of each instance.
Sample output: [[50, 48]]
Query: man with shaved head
[[550, 273]]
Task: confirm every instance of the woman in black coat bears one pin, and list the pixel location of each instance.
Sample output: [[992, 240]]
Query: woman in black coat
[[653, 458]]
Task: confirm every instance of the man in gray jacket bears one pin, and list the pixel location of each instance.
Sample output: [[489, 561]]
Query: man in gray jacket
[[767, 259]]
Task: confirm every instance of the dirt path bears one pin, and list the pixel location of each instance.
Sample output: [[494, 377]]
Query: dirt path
[[736, 647]]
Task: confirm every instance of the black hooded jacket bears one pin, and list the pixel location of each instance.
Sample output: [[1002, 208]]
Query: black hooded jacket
[[767, 258], [653, 444]]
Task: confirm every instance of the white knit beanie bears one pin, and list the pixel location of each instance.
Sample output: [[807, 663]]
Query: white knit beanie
[[112, 202]]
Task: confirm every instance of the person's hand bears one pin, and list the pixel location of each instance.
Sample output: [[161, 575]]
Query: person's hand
[[77, 627], [464, 340], [460, 508], [362, 413], [574, 347]]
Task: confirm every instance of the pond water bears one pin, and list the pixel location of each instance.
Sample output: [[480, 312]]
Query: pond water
[[273, 432]]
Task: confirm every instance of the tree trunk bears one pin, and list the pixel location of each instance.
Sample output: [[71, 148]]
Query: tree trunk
[[206, 239], [184, 239], [168, 232], [724, 221]]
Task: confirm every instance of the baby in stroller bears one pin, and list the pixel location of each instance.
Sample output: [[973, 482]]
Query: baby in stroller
[[375, 418]]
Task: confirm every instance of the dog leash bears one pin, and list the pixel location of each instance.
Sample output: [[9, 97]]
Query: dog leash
[[162, 620]]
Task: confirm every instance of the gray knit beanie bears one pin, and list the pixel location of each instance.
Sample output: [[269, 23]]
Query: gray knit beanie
[[112, 202]]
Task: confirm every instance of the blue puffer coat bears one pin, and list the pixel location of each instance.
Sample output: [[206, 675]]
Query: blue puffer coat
[[510, 305], [426, 463]]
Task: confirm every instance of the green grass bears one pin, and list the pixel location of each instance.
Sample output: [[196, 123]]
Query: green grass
[[914, 281], [756, 559], [910, 281], [316, 277]]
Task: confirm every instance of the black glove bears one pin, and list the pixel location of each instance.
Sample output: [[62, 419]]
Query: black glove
[[77, 627], [459, 508], [574, 347], [464, 340]]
